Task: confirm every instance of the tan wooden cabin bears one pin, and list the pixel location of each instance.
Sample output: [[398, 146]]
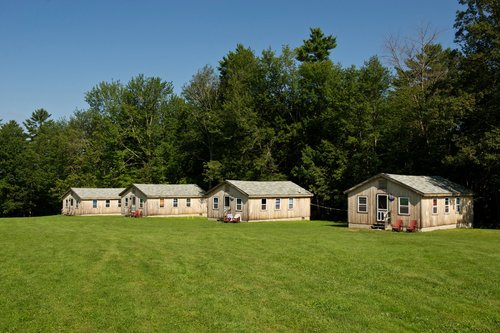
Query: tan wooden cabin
[[164, 200], [434, 202], [92, 201], [259, 201]]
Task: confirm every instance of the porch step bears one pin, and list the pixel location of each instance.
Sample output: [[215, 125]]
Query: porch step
[[378, 226]]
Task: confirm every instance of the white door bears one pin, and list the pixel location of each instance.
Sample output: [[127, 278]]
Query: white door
[[382, 207]]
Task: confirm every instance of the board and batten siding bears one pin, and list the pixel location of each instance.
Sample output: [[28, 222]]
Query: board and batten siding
[[220, 192], [450, 219], [370, 190], [85, 207], [197, 208]]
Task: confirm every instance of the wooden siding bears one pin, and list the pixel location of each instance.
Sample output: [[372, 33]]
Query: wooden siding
[[151, 206], [85, 207], [251, 207], [420, 207]]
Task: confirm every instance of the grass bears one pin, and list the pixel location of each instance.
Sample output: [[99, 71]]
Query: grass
[[109, 274]]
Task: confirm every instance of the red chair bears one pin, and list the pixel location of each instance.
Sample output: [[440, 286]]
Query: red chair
[[398, 226], [412, 227]]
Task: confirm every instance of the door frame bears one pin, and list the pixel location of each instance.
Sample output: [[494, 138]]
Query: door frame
[[380, 212]]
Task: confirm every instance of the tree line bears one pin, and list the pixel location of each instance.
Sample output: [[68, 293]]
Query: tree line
[[293, 114]]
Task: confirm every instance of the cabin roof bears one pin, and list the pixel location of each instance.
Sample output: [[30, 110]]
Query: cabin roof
[[168, 190], [85, 193], [424, 185], [270, 188]]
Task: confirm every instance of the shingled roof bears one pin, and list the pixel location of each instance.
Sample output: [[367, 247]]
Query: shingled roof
[[86, 193], [270, 188], [424, 185], [168, 190]]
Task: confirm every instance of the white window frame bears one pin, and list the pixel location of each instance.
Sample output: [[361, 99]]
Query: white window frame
[[107, 203], [290, 203], [215, 203], [94, 203], [162, 202], [141, 203], [400, 205], [67, 202], [458, 205], [277, 204], [77, 202], [228, 200], [239, 204], [126, 202], [188, 202], [359, 205], [263, 203], [175, 202], [435, 208], [119, 203], [447, 205]]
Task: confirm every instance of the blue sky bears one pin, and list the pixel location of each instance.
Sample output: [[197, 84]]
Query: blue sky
[[53, 51]]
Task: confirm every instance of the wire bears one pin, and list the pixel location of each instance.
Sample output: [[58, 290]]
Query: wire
[[331, 208]]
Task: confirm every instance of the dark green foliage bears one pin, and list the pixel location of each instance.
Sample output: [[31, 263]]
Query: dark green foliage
[[317, 47]]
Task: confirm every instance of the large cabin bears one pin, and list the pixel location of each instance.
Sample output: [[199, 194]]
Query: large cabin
[[433, 202], [163, 200], [92, 201], [259, 201]]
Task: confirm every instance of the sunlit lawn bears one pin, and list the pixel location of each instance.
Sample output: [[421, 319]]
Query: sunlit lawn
[[106, 274]]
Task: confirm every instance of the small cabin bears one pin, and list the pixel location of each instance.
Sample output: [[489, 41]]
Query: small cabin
[[92, 201], [433, 202], [259, 201], [163, 200]]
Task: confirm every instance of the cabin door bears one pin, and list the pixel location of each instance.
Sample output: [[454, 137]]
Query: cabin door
[[382, 207]]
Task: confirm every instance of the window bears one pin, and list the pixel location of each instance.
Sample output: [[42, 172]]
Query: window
[[108, 202], [141, 202], [226, 202], [94, 203], [175, 202], [434, 206], [188, 202], [119, 203], [216, 203], [77, 203], [446, 205], [362, 204], [239, 203], [162, 202], [404, 206], [290, 203], [126, 202], [263, 203], [458, 205], [277, 203], [66, 202], [71, 202], [133, 201]]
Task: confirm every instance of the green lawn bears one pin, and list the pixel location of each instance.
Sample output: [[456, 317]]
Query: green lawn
[[108, 274]]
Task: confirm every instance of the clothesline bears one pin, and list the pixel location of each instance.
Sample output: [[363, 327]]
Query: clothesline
[[331, 208]]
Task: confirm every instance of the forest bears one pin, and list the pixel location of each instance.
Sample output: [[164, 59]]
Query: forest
[[290, 114]]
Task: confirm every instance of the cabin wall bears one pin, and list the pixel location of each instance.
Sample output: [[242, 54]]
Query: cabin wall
[[128, 205], [198, 207], [442, 219], [371, 190], [220, 192], [85, 207], [301, 209]]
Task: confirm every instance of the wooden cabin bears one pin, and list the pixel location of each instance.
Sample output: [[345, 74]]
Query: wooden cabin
[[434, 202], [164, 200], [92, 201], [259, 201]]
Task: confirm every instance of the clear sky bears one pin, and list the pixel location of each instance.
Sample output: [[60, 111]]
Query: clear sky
[[53, 51]]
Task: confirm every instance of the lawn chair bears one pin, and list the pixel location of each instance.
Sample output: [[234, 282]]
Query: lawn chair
[[412, 227], [398, 226], [228, 218], [236, 218]]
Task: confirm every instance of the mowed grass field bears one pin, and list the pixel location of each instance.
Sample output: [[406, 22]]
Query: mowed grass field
[[117, 274]]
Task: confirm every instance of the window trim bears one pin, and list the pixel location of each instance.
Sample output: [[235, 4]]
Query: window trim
[[263, 204], [400, 205], [141, 203], [239, 204], [119, 203], [365, 204], [447, 205], [162, 202], [94, 203], [435, 206], [107, 203], [188, 202], [126, 202], [215, 203], [458, 205], [175, 202], [290, 203], [277, 204]]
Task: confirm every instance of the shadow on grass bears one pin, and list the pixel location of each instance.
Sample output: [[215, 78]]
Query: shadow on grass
[[337, 224]]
